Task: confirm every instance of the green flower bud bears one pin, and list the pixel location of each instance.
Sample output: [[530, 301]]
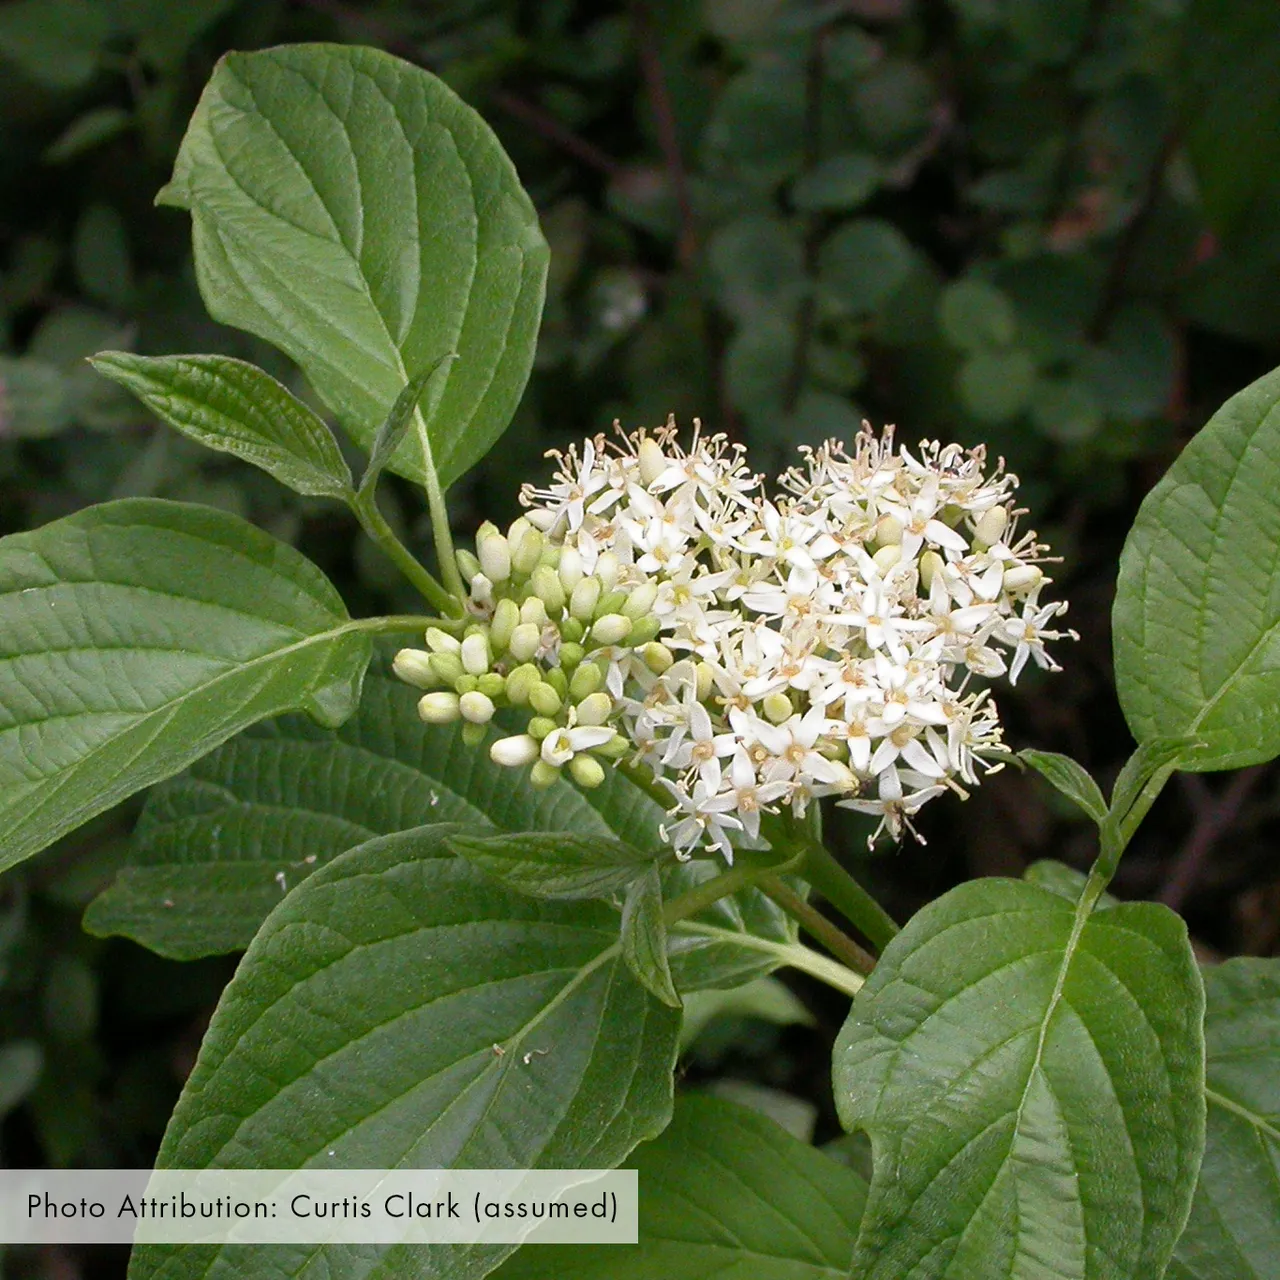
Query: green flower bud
[[644, 630], [468, 565], [506, 618], [439, 708], [888, 531], [533, 610], [583, 600], [491, 684], [544, 775], [547, 585], [614, 749], [608, 566], [572, 629], [545, 700], [990, 527], [610, 602], [571, 653], [526, 553], [521, 683], [777, 708], [515, 752], [476, 707], [705, 681], [658, 658], [447, 666], [525, 640], [466, 683], [493, 552], [888, 556], [441, 641], [595, 709], [540, 726], [652, 460], [557, 679], [1023, 577], [640, 601], [586, 680], [586, 772], [472, 734], [413, 666], [613, 628], [931, 563], [475, 654], [570, 568]]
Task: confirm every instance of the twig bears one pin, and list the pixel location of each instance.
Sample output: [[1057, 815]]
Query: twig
[[655, 81], [1126, 246], [554, 131], [816, 925], [1214, 816]]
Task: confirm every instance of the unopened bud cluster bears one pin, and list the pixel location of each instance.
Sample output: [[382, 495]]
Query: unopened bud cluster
[[752, 652]]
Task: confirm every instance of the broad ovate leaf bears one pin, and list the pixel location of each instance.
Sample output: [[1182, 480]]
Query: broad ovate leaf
[[217, 848], [349, 208], [401, 1009], [1234, 1229], [725, 1192], [644, 936], [1197, 612], [234, 407], [137, 636], [555, 864], [1031, 1077]]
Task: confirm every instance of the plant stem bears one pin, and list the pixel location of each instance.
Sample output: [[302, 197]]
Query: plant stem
[[374, 523], [821, 870], [397, 623], [797, 956], [439, 517], [703, 895], [813, 922]]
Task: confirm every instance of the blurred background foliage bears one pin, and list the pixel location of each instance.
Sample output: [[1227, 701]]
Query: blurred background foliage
[[1052, 225]]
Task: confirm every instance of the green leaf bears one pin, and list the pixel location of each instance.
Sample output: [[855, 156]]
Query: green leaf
[[398, 422], [1066, 410], [725, 1193], [1148, 760], [58, 43], [556, 865], [756, 267], [862, 265], [974, 315], [217, 847], [1031, 1082], [403, 1010], [734, 940], [765, 999], [351, 209], [1070, 778], [1234, 1229], [644, 936], [96, 126], [995, 386], [234, 407], [839, 182], [1197, 612], [1065, 881], [138, 635], [35, 400]]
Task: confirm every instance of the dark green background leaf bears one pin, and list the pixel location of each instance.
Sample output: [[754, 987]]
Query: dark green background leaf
[[724, 1193]]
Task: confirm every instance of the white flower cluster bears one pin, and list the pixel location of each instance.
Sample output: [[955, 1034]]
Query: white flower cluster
[[751, 651]]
